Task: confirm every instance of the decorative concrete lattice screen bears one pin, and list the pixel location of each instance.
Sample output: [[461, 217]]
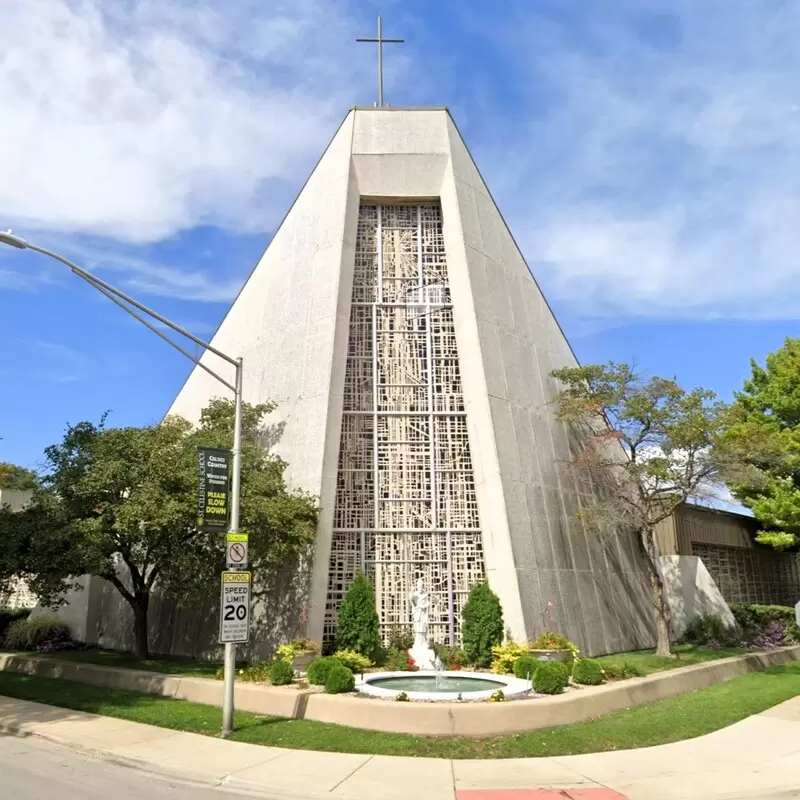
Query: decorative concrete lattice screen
[[405, 501], [752, 576]]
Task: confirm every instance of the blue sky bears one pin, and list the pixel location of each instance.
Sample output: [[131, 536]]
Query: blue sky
[[645, 154]]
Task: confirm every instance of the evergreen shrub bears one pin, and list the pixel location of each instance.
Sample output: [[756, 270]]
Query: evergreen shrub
[[525, 666], [551, 677], [317, 671], [588, 672], [340, 680], [358, 627], [281, 673], [482, 627]]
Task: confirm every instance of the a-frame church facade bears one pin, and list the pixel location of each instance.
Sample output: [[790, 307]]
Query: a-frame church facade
[[397, 326]]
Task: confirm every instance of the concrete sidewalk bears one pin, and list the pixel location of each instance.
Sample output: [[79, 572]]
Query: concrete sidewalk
[[756, 758]]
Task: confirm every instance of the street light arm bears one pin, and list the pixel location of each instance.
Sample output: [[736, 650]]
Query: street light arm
[[98, 283], [155, 330]]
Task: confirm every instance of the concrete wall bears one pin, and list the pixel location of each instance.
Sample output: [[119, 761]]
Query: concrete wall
[[15, 499], [691, 593], [537, 547]]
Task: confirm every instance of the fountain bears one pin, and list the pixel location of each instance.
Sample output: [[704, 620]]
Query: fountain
[[432, 681]]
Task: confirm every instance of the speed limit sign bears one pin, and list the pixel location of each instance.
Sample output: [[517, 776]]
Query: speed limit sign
[[234, 617]]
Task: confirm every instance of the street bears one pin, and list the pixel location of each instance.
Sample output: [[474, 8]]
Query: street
[[37, 769]]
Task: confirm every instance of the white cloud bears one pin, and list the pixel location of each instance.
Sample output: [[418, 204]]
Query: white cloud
[[656, 172], [135, 120]]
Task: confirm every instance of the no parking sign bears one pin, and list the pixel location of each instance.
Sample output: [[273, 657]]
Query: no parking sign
[[236, 550]]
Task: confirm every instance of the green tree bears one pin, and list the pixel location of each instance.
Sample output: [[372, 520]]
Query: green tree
[[482, 626], [645, 444], [358, 626], [121, 502], [14, 477], [758, 450]]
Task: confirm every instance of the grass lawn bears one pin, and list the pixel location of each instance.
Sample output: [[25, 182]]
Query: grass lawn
[[187, 667], [682, 717], [687, 654]]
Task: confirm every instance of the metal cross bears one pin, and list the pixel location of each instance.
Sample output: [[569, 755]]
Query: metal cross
[[380, 41]]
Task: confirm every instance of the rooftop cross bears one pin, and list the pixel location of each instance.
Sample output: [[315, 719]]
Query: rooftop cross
[[380, 41]]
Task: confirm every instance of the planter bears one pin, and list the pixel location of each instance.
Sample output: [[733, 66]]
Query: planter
[[301, 661], [551, 655]]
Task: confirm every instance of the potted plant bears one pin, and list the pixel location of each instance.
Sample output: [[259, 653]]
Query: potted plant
[[299, 653], [554, 647]]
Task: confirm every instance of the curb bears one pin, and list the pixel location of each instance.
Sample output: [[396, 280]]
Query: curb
[[428, 719]]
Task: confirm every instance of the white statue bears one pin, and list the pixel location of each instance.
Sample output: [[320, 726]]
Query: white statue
[[419, 615], [423, 656]]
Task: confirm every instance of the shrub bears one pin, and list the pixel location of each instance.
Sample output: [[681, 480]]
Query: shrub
[[770, 636], [622, 670], [754, 621], [42, 634], [588, 672], [318, 670], [504, 656], [550, 677], [281, 672], [358, 627], [402, 639], [525, 666], [709, 630], [482, 625], [451, 657], [556, 641], [399, 661], [340, 680], [498, 697], [355, 662], [8, 616], [401, 698]]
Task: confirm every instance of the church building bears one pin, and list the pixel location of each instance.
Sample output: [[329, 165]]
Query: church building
[[397, 326]]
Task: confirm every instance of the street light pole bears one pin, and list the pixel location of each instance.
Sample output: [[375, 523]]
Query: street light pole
[[229, 668], [121, 299]]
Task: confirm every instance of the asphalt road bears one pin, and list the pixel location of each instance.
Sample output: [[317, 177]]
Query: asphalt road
[[39, 770]]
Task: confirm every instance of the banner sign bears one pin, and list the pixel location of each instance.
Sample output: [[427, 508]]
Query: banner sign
[[213, 493]]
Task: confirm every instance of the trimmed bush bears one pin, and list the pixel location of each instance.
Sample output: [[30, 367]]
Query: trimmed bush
[[355, 662], [756, 622], [551, 677], [358, 627], [41, 634], [621, 671], [317, 671], [482, 627], [525, 666], [8, 616], [340, 680], [504, 656], [281, 673], [709, 630], [588, 672]]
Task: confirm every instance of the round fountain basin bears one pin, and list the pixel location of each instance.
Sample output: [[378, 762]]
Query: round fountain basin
[[441, 686]]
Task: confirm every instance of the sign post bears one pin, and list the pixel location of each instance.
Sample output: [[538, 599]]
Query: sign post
[[234, 618], [213, 489], [236, 550]]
